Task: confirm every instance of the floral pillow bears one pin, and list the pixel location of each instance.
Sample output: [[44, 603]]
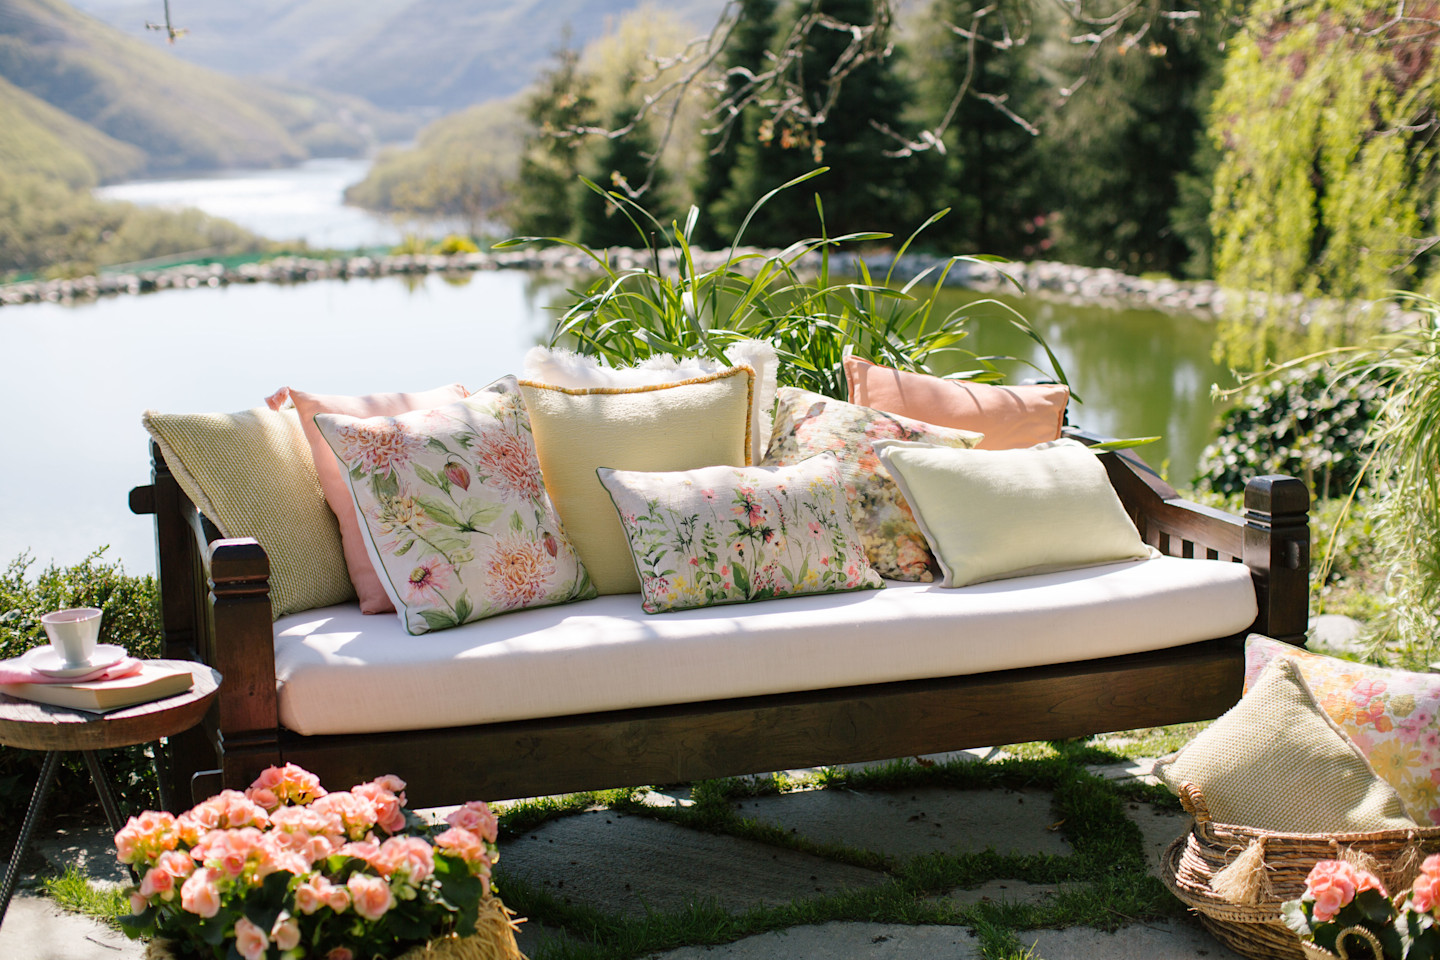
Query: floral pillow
[[736, 534], [807, 424], [456, 518], [1390, 714]]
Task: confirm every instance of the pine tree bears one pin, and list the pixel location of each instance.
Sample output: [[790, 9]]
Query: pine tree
[[550, 164], [620, 163], [865, 189], [991, 175], [746, 48]]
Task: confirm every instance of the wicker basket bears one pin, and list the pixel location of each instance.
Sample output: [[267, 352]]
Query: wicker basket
[[1265, 869], [494, 939]]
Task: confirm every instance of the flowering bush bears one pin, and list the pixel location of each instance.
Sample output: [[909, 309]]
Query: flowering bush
[[287, 870], [1338, 896]]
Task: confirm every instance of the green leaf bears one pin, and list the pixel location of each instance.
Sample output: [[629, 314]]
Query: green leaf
[[385, 486], [429, 478], [516, 523], [480, 514], [1292, 912], [463, 609], [409, 545], [742, 579], [439, 447], [438, 511], [439, 619]]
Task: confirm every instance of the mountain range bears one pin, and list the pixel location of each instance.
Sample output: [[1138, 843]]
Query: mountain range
[[408, 55], [81, 101]]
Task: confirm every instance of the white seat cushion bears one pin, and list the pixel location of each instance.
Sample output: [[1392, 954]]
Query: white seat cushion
[[342, 672]]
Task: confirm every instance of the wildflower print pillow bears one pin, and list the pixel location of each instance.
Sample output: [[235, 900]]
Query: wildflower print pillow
[[1390, 714], [456, 518], [735, 534], [807, 424]]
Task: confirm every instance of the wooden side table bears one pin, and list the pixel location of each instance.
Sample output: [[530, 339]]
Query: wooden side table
[[56, 730]]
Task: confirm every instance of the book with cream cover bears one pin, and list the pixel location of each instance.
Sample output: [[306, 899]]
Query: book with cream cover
[[151, 683]]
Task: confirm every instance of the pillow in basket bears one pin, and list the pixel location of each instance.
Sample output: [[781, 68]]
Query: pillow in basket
[[454, 510], [721, 535], [1008, 416], [1390, 714], [368, 588], [252, 474], [1275, 761], [997, 514], [702, 422], [808, 423]]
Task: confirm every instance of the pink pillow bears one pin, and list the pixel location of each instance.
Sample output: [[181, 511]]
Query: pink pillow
[[1009, 417], [373, 598]]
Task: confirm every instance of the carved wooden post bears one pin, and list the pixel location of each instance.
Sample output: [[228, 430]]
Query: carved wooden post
[[240, 613], [1277, 551]]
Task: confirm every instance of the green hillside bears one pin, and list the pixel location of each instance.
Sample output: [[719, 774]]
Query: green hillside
[[36, 138], [182, 116]]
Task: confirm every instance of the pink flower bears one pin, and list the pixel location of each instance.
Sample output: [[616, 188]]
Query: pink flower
[[429, 578], [370, 896], [250, 940], [1425, 895], [340, 953], [138, 903], [200, 895], [228, 850], [145, 837], [379, 445], [476, 817], [286, 932], [159, 883], [457, 474], [816, 530], [708, 495], [408, 858], [518, 571], [389, 812], [508, 462], [355, 814], [468, 846], [1334, 884]]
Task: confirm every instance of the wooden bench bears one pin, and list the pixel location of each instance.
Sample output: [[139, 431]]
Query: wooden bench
[[216, 608]]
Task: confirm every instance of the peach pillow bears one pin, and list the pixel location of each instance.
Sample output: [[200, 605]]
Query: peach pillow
[[373, 598], [1009, 417]]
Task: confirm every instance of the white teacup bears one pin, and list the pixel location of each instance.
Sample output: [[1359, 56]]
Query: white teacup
[[73, 633]]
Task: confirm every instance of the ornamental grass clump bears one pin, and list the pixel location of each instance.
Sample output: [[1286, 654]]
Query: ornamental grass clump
[[673, 306], [287, 870]]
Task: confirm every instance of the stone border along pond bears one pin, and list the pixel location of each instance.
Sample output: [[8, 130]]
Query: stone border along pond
[[1052, 281]]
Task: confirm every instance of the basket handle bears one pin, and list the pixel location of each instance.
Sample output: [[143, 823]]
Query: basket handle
[[1194, 802], [1377, 951]]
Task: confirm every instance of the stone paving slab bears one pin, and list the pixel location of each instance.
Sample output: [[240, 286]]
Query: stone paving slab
[[1172, 940], [910, 823], [36, 929], [1158, 829], [90, 848], [842, 941], [1003, 891], [623, 865]]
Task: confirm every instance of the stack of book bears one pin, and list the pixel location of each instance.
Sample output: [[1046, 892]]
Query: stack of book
[[144, 682]]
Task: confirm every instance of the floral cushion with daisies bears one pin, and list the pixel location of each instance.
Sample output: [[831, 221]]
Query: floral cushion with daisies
[[721, 535]]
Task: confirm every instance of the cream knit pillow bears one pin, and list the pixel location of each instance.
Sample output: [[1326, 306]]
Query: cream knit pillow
[[1275, 761], [252, 474], [702, 422]]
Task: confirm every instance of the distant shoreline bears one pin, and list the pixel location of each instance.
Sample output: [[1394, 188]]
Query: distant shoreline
[[1203, 299]]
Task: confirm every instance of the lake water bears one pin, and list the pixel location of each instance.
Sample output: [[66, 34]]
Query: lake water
[[299, 203], [79, 376]]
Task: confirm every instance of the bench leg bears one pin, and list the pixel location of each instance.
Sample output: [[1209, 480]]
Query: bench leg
[[32, 817]]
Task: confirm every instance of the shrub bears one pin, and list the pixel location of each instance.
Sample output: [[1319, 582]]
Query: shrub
[[132, 620], [1307, 421]]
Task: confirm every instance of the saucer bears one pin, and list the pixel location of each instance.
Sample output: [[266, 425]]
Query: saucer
[[48, 662]]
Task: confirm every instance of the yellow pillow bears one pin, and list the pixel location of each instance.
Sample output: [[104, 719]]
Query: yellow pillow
[[1275, 761], [704, 422], [252, 474]]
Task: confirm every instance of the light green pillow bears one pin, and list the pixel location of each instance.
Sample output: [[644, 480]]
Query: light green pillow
[[994, 514], [1275, 761]]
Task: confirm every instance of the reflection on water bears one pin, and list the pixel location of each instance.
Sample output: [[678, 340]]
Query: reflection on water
[[81, 376]]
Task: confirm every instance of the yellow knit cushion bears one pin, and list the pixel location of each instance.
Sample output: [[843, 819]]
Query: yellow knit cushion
[[1275, 761], [702, 422], [252, 474]]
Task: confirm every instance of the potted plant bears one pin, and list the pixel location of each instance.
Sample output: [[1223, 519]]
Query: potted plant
[[1346, 912], [287, 870]]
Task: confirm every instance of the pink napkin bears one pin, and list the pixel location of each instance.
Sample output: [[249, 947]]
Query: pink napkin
[[18, 670]]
